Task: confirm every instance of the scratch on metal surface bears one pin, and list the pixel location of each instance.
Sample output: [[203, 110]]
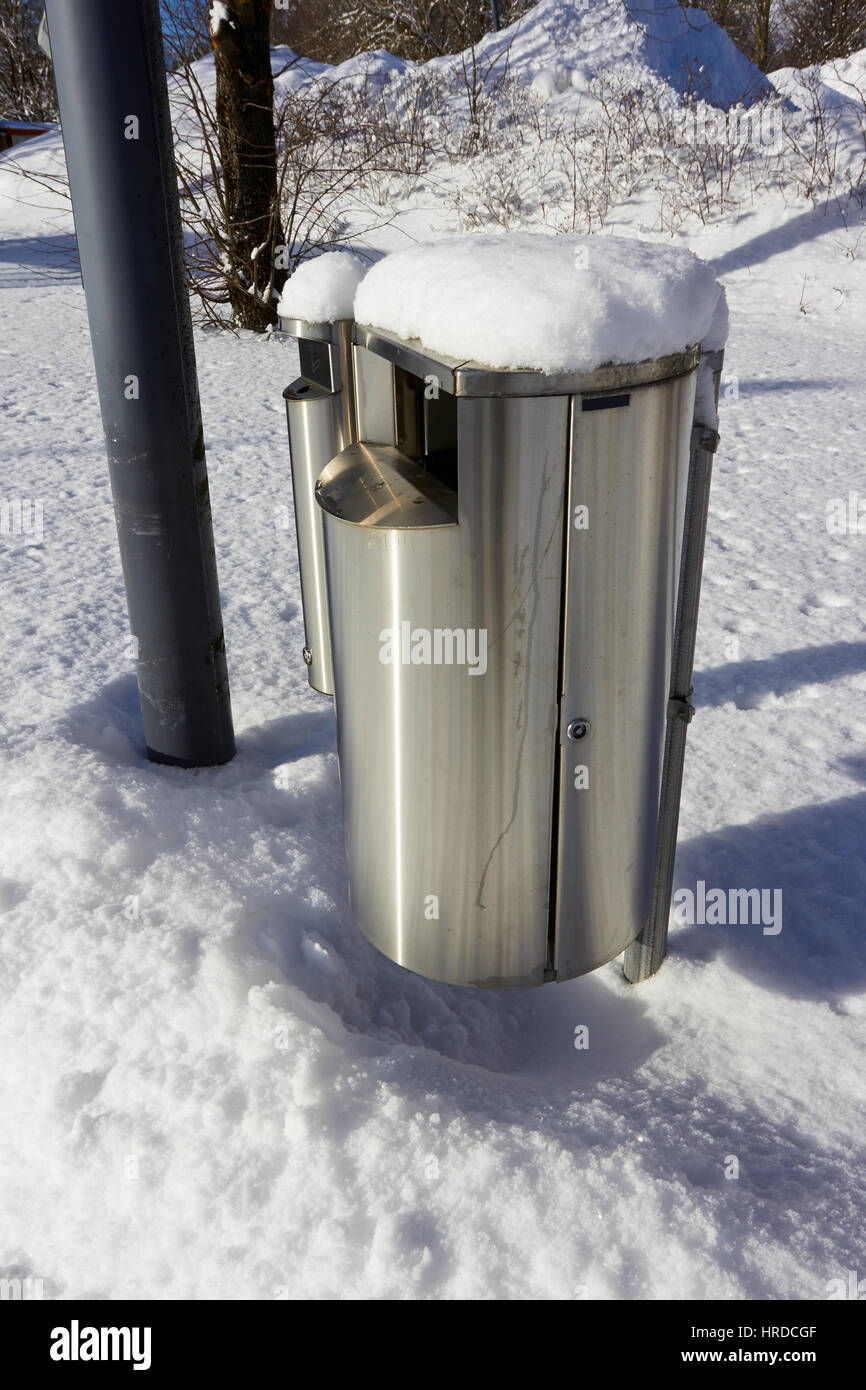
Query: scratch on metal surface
[[539, 553]]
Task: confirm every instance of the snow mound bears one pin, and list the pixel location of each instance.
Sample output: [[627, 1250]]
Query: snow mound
[[545, 303], [839, 84], [562, 44], [692, 53], [322, 290], [559, 46]]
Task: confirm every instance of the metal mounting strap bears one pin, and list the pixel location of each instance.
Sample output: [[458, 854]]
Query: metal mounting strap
[[681, 707], [706, 438]]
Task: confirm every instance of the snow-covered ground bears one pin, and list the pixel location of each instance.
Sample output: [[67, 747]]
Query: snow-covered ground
[[213, 1086]]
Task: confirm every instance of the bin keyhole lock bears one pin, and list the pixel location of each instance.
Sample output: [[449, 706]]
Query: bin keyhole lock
[[578, 729]]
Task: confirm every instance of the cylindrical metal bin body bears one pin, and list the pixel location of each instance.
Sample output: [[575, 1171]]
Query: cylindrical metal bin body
[[447, 758], [485, 846]]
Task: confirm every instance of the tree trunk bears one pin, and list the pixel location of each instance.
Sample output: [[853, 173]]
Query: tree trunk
[[240, 32], [762, 34]]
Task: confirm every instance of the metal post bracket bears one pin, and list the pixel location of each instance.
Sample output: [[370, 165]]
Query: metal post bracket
[[681, 707], [705, 438]]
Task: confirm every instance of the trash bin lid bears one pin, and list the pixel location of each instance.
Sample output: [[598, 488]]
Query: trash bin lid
[[315, 331], [474, 380], [377, 486]]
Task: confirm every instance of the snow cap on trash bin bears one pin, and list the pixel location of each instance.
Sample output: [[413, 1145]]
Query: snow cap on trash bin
[[546, 303], [322, 290]]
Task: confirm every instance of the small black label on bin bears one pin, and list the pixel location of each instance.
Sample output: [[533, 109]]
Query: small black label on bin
[[604, 402]]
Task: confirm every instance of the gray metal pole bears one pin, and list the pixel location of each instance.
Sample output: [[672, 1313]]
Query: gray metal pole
[[111, 85], [645, 955]]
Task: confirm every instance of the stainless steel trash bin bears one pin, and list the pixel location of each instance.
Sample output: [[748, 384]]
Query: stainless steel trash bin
[[320, 412], [503, 552]]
